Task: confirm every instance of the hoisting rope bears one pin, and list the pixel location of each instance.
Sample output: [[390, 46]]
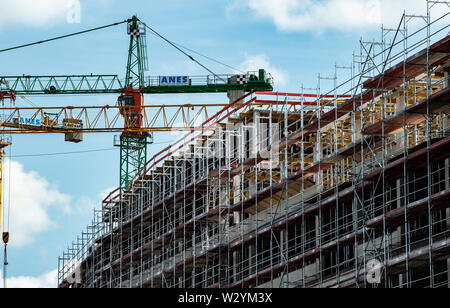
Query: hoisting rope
[[5, 234]]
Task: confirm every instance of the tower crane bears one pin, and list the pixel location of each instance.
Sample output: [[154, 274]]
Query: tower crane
[[139, 121], [130, 104]]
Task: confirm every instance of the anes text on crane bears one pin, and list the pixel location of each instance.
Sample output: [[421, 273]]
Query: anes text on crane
[[173, 80]]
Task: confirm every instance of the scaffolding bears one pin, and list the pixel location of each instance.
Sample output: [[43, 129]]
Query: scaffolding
[[295, 190]]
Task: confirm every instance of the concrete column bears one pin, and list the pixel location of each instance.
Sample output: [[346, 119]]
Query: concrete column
[[237, 189], [396, 234], [275, 139], [447, 211], [237, 144], [317, 156], [235, 262], [252, 187], [317, 230], [447, 174], [250, 257], [398, 192], [355, 214], [236, 217], [448, 269], [318, 150], [415, 135], [357, 129], [235, 94], [255, 134], [264, 129], [446, 123]]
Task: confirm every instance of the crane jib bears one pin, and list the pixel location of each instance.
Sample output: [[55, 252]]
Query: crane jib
[[111, 84]]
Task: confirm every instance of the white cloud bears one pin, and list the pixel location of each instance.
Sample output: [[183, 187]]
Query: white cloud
[[33, 13], [85, 205], [31, 198], [253, 63], [343, 15], [104, 193], [41, 13], [46, 280]]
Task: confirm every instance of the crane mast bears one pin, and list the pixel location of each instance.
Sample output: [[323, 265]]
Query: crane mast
[[137, 54], [133, 146]]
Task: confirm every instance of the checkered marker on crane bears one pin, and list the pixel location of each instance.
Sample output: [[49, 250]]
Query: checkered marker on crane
[[241, 79], [135, 33]]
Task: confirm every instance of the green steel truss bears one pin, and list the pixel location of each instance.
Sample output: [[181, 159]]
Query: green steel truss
[[264, 85], [133, 148], [104, 84], [69, 84], [137, 54], [133, 156]]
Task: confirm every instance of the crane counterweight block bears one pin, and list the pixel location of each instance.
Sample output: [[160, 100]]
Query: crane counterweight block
[[7, 94], [5, 237]]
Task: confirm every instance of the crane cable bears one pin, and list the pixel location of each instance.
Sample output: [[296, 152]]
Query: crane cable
[[64, 36], [209, 58], [5, 234], [175, 45], [28, 101], [181, 50], [54, 39], [5, 217], [4, 220], [205, 56]]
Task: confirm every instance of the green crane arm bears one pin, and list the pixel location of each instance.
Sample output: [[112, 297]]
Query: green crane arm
[[101, 84], [213, 83], [69, 84]]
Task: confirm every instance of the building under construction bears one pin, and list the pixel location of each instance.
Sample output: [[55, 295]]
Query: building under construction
[[347, 187]]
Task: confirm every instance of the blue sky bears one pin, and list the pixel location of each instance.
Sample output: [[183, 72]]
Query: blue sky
[[295, 40]]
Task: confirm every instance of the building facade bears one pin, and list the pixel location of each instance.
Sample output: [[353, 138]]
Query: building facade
[[345, 188]]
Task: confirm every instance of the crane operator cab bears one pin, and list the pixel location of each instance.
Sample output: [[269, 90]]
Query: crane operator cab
[[129, 113], [131, 104], [125, 100]]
